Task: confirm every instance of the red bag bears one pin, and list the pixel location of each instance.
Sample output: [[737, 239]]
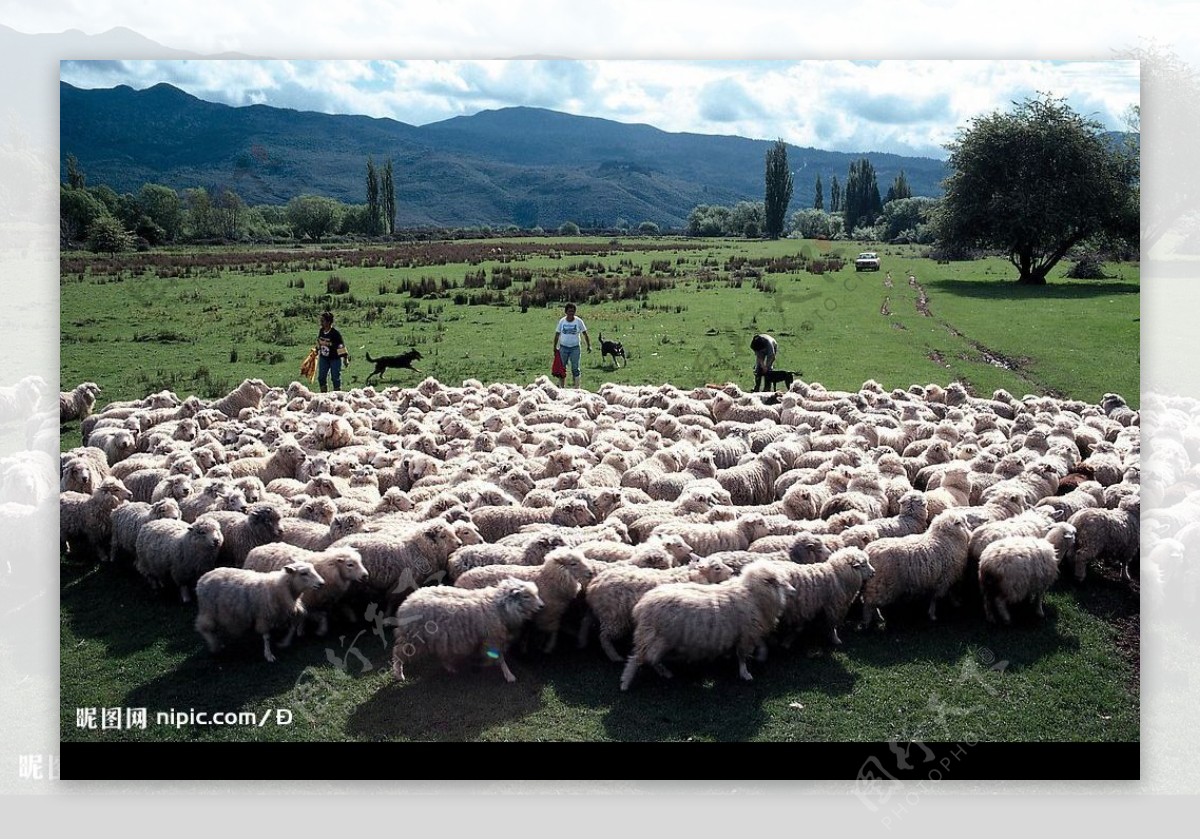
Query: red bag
[[558, 369]]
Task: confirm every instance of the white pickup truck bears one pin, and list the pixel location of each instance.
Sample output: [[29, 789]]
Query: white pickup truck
[[867, 261]]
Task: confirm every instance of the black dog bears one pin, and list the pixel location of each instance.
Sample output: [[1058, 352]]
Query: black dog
[[404, 360], [612, 348], [773, 378]]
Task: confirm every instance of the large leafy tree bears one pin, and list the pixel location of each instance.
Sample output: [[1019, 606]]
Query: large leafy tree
[[778, 189], [861, 204], [1034, 183]]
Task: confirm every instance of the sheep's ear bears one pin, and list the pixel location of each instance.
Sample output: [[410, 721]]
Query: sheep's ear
[[290, 569]]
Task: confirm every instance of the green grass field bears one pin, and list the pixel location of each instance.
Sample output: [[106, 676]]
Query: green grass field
[[1071, 677]]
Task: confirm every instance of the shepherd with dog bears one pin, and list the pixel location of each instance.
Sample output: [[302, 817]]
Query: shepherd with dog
[[567, 344], [765, 350]]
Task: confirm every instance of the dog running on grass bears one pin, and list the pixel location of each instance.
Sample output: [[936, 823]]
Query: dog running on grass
[[404, 360], [614, 349]]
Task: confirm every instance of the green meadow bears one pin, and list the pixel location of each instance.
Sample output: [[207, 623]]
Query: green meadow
[[201, 320]]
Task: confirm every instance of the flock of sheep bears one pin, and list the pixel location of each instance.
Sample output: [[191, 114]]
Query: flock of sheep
[[689, 524]]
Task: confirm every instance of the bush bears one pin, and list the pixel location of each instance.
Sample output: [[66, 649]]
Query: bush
[[106, 235], [336, 285], [568, 229], [1087, 267], [648, 229]]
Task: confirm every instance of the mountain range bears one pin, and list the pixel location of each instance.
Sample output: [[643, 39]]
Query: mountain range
[[520, 165]]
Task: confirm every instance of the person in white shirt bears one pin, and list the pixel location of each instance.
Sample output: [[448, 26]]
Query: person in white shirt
[[566, 343]]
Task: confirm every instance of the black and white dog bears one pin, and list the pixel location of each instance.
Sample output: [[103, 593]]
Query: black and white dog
[[612, 348], [404, 360]]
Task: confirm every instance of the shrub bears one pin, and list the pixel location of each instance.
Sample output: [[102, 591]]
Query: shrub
[[107, 236], [648, 229], [1087, 267], [336, 285], [568, 229]]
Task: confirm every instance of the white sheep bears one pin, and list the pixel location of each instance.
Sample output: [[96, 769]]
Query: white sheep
[[233, 602], [1013, 570], [533, 553], [77, 403], [248, 394], [315, 536], [455, 624], [128, 519], [1030, 523], [921, 565], [86, 521], [496, 522], [284, 462], [824, 590], [173, 551], [399, 561], [559, 580], [913, 518], [752, 482], [696, 621], [338, 568], [259, 525], [1101, 532], [706, 538], [616, 589]]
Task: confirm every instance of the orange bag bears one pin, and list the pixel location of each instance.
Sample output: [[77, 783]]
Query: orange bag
[[308, 368]]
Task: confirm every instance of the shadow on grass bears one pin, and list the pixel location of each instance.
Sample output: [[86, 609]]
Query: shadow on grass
[[434, 705], [1011, 289]]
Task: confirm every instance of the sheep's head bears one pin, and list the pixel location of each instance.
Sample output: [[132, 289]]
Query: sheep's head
[[518, 600], [349, 564], [207, 532], [303, 576]]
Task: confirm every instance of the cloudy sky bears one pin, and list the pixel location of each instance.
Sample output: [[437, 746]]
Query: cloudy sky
[[901, 106]]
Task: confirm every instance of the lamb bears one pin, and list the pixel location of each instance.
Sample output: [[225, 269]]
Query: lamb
[[338, 568], [170, 550], [455, 624], [489, 554], [259, 525], [87, 520], [397, 561], [559, 580], [912, 519], [921, 565], [233, 602], [495, 522], [698, 621], [706, 538], [615, 590], [128, 519], [77, 403], [117, 444], [79, 476], [249, 394], [824, 590], [1017, 569], [1104, 532], [1087, 494]]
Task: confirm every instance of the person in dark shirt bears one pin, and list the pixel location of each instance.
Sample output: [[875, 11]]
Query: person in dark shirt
[[331, 353], [765, 349]]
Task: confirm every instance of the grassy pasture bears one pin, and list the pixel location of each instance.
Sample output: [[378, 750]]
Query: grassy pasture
[[137, 327]]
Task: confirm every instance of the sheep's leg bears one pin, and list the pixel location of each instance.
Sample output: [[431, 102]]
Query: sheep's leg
[[1037, 605], [743, 671], [585, 629], [551, 642], [630, 669], [662, 671], [508, 675], [185, 594], [210, 638], [933, 608], [1002, 611], [988, 612], [286, 641], [266, 637], [760, 652], [834, 639], [607, 645], [322, 623]]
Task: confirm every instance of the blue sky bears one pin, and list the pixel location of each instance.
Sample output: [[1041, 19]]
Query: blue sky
[[900, 106]]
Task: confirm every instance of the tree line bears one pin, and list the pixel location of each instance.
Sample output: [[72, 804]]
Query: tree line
[[104, 220]]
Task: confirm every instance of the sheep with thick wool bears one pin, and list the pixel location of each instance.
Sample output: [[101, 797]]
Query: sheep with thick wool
[[662, 552], [177, 552], [824, 590], [616, 589], [1013, 570], [1104, 532], [77, 403], [920, 565], [338, 568], [533, 553], [496, 522], [85, 521], [559, 581], [913, 518], [128, 519], [284, 462], [709, 538], [697, 621], [233, 602], [259, 525], [248, 394], [401, 560], [753, 481], [1034, 522], [1088, 494], [316, 536], [454, 624]]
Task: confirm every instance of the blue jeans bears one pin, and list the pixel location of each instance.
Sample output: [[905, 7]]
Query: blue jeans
[[327, 365], [570, 357]]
